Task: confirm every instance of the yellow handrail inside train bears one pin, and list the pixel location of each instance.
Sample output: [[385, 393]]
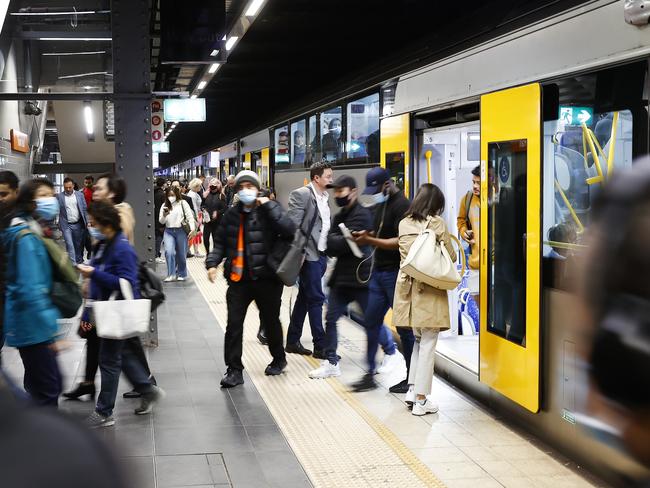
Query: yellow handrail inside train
[[565, 245], [428, 155], [612, 146], [573, 213], [592, 148]]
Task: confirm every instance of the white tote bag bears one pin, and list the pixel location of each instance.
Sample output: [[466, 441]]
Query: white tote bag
[[121, 319], [428, 261]]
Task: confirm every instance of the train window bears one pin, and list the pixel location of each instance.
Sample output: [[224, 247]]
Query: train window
[[473, 146], [298, 146], [314, 153], [506, 312], [282, 145], [331, 128], [363, 126]]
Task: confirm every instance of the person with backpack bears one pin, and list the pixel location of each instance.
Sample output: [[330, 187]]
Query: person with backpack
[[30, 321], [8, 195], [468, 223]]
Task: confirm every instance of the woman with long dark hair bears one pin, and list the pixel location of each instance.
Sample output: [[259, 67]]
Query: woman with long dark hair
[[418, 305]]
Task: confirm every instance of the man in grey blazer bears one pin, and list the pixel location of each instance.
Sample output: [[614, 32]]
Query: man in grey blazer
[[73, 220], [308, 205]]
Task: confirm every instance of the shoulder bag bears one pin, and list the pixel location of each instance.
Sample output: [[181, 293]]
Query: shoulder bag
[[121, 319], [185, 224], [428, 261]]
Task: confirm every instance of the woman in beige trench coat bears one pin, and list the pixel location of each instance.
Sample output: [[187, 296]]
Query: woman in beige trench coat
[[417, 304]]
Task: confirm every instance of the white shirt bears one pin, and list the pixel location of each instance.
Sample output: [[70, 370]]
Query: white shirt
[[71, 208], [325, 216], [173, 219]]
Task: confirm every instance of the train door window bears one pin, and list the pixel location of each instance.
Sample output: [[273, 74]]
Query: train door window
[[473, 146], [395, 167], [281, 137], [298, 143], [331, 134], [506, 311], [313, 138], [256, 163], [363, 127]]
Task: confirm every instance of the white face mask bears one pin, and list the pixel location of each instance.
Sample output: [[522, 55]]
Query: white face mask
[[171, 199]]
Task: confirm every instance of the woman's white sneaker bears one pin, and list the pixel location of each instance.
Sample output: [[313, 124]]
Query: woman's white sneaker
[[326, 370], [422, 408], [169, 278], [390, 362]]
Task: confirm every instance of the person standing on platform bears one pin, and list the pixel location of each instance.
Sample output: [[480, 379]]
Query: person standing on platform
[[390, 207], [245, 239], [73, 220], [173, 213], [230, 190], [215, 206], [309, 209], [195, 192], [159, 199], [89, 183], [468, 222]]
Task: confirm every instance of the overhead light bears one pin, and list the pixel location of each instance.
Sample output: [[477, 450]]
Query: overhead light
[[253, 8], [193, 96], [87, 39], [88, 118], [81, 75], [75, 12], [80, 53], [202, 85], [213, 67], [214, 52], [231, 42]]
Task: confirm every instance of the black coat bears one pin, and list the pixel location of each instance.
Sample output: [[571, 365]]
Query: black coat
[[263, 227], [215, 202], [158, 200], [345, 272]]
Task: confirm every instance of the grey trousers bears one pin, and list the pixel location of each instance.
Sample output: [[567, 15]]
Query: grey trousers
[[422, 360]]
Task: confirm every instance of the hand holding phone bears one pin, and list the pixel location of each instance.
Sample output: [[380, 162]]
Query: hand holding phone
[[350, 240]]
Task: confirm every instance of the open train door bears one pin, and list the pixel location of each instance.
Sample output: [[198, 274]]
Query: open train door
[[510, 243]]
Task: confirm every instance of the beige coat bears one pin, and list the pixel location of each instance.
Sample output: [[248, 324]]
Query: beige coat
[[417, 304]]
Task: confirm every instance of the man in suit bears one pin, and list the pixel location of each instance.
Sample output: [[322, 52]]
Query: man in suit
[[309, 209], [73, 220]]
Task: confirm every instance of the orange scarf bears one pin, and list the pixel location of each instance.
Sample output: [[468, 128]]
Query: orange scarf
[[237, 270]]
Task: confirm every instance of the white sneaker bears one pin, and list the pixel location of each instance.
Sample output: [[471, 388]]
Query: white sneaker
[[160, 260], [409, 399], [423, 408], [390, 362], [169, 278], [181, 278], [326, 370]]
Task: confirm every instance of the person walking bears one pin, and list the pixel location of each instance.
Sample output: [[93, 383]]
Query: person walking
[[309, 209], [30, 320], [8, 195], [245, 239], [73, 220], [215, 207], [114, 259], [195, 191], [230, 191], [159, 199], [112, 188], [418, 305], [174, 214]]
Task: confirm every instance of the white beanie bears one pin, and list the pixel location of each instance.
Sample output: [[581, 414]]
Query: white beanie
[[247, 175]]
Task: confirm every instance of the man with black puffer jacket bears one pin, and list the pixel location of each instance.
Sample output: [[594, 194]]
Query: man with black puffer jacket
[[245, 238]]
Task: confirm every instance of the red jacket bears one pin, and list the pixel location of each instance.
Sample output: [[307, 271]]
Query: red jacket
[[88, 195]]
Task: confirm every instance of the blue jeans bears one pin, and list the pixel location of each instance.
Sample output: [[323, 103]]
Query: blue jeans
[[310, 300], [114, 358], [339, 299], [42, 378], [75, 239], [175, 240], [380, 298]]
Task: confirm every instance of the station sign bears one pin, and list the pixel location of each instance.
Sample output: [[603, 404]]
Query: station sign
[[184, 110], [571, 115], [160, 147], [157, 121], [19, 141]]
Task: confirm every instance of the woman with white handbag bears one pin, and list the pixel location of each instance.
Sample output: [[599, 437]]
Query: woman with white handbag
[[417, 303], [113, 276]]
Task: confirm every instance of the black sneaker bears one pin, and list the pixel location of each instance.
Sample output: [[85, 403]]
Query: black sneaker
[[401, 387], [366, 383], [319, 354], [233, 377], [261, 336], [81, 390], [131, 394], [297, 348], [275, 369], [149, 399]]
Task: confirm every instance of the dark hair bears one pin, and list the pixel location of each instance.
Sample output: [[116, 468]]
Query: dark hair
[[297, 134], [477, 171], [429, 200], [105, 214], [317, 169], [116, 185], [330, 124], [89, 177], [68, 180], [25, 200], [160, 182], [564, 232], [177, 193], [9, 178]]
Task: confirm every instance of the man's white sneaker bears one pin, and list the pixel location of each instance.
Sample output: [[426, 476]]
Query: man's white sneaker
[[423, 408], [169, 278], [326, 370], [390, 362], [409, 399]]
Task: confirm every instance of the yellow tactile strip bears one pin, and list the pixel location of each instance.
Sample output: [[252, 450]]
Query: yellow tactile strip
[[337, 440]]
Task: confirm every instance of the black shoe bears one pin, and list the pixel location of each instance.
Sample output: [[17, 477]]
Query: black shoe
[[319, 354], [81, 390], [297, 348], [401, 387], [261, 336], [366, 383], [131, 394], [275, 369], [233, 377]]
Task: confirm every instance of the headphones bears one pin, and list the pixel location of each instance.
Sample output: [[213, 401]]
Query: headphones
[[620, 355]]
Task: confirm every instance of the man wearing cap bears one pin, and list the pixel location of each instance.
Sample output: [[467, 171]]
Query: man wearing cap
[[309, 208], [390, 207], [244, 238]]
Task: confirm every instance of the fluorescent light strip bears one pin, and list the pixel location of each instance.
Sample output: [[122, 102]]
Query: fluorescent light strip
[[214, 52], [213, 68], [193, 96], [81, 12], [88, 117], [84, 74], [81, 53], [87, 39], [253, 8], [231, 42], [202, 85]]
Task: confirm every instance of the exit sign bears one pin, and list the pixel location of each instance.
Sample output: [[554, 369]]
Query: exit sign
[[570, 115]]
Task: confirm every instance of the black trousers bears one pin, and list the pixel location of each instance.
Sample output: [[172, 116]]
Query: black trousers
[[267, 295], [42, 379], [133, 345], [209, 232]]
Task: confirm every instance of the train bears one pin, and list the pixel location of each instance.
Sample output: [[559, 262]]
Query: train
[[548, 112]]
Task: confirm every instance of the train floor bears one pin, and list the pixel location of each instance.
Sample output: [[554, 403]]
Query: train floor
[[291, 431]]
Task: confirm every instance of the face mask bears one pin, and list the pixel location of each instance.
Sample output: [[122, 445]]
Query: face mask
[[342, 201], [171, 199], [213, 189], [336, 131], [47, 207], [96, 234], [380, 197], [247, 195]]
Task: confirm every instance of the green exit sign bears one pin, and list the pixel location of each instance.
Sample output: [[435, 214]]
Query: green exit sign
[[570, 115]]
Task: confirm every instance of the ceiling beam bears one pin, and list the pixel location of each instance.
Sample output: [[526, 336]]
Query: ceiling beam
[[72, 35], [72, 168]]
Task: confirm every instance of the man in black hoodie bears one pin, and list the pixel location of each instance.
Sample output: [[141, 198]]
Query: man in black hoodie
[[245, 238]]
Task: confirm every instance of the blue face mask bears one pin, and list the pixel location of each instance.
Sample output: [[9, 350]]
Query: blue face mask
[[247, 195], [380, 197], [96, 234], [47, 207]]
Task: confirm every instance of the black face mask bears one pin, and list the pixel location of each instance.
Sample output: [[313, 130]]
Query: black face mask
[[342, 201], [213, 189]]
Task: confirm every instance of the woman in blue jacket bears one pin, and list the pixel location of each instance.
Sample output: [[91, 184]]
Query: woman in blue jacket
[[30, 315], [114, 259]]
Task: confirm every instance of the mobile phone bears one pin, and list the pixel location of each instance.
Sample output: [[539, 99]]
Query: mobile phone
[[348, 237]]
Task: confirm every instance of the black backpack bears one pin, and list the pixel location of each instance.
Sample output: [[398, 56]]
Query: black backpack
[[151, 286]]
